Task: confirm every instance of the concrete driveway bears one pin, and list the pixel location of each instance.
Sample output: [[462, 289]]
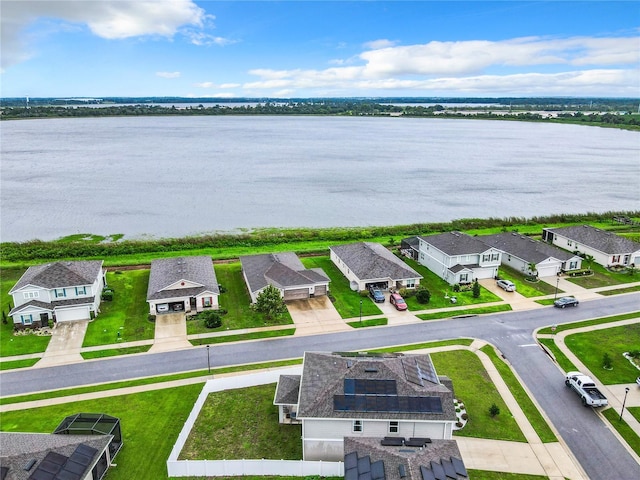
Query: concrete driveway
[[315, 315], [171, 332], [64, 346], [516, 300]]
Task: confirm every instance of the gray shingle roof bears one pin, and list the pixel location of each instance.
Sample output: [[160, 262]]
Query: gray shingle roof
[[324, 374], [16, 449], [605, 242], [168, 271], [56, 303], [284, 270], [528, 249], [368, 260], [287, 390], [411, 458], [456, 243], [60, 274]]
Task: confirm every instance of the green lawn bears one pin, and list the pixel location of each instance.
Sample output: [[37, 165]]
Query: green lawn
[[525, 287], [565, 364], [241, 337], [114, 352], [475, 389], [590, 348], [127, 314], [588, 323], [618, 291], [602, 277], [462, 313], [255, 434], [346, 301], [623, 428], [375, 322]]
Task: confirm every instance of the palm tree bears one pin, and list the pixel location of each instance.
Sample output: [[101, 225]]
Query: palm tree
[[589, 259], [533, 269]]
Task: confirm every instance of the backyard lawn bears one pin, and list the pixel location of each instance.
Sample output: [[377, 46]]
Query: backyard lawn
[[127, 314], [590, 347], [347, 302]]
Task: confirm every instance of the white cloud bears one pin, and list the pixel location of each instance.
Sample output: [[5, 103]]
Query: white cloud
[[377, 44], [168, 74], [216, 85], [109, 19]]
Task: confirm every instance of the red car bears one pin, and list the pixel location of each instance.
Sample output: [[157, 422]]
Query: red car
[[397, 301]]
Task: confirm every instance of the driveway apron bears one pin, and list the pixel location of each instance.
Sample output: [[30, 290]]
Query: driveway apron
[[171, 333], [315, 315], [65, 344]]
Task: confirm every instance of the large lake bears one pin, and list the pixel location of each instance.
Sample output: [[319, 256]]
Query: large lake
[[177, 176]]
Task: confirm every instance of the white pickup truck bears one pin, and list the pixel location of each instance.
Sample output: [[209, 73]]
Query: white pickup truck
[[584, 386]]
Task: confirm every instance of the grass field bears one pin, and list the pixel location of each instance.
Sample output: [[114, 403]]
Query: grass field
[[525, 287], [623, 428]]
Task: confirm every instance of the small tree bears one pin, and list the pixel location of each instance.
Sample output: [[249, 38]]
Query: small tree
[[270, 303], [423, 296], [589, 259], [606, 362], [494, 410], [532, 269], [476, 289]]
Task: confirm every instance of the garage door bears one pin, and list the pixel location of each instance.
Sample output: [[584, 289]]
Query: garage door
[[548, 271], [296, 294], [320, 290], [71, 314]]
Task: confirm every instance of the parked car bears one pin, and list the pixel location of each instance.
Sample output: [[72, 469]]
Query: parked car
[[506, 285], [376, 294], [638, 381], [563, 302], [586, 389], [397, 301], [162, 307]]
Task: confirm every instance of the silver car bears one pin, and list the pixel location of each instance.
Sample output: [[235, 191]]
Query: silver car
[[506, 285]]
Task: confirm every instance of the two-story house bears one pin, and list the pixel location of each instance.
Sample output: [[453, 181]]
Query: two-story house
[[366, 395], [60, 291], [458, 258]]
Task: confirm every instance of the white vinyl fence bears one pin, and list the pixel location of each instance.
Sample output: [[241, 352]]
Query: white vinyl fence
[[212, 468]]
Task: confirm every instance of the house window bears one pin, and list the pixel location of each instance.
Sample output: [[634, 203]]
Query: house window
[[569, 243], [495, 257], [573, 265], [464, 277], [26, 319], [81, 290], [615, 259], [206, 302], [31, 294], [60, 292], [357, 425], [393, 427], [626, 260], [411, 283], [486, 258]]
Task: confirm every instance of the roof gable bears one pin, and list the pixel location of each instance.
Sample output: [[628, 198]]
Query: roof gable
[[601, 240], [168, 274], [528, 249], [456, 243], [283, 270], [368, 260], [60, 275]]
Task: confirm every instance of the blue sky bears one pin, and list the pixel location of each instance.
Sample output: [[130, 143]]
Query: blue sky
[[96, 48]]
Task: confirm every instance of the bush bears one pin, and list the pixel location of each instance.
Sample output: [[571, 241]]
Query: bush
[[606, 362], [212, 319], [423, 296], [476, 289], [634, 353], [364, 293], [456, 287], [494, 410], [222, 288], [151, 318], [107, 295], [464, 416]]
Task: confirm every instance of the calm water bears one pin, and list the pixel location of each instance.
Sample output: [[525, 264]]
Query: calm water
[[176, 176]]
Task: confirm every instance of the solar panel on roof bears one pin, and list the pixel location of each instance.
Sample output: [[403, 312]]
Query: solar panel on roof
[[411, 371], [427, 474], [351, 474], [438, 471], [74, 467], [377, 470], [364, 464], [67, 475], [349, 386], [80, 459], [387, 403], [55, 457], [350, 460], [458, 465], [449, 471], [86, 450], [368, 386], [427, 370]]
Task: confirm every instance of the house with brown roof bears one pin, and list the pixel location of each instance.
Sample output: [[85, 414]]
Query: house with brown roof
[[458, 258], [182, 284], [60, 291], [366, 395], [284, 271], [607, 248], [368, 264]]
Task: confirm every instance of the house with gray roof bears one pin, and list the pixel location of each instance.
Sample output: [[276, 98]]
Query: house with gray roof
[[368, 264], [459, 258], [368, 458], [182, 284], [59, 291], [284, 271], [607, 249], [366, 395], [519, 251]]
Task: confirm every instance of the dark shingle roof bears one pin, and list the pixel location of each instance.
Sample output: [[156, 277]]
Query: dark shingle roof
[[369, 260], [283, 270], [60, 274], [411, 458], [528, 249], [324, 374], [456, 243], [287, 390], [605, 242], [169, 271], [56, 303]]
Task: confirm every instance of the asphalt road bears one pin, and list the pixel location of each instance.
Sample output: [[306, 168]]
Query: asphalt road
[[592, 443]]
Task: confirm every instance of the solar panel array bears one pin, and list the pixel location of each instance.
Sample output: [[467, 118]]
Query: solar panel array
[[445, 470], [386, 403], [427, 370], [362, 468], [365, 386], [55, 466], [419, 369], [411, 371]]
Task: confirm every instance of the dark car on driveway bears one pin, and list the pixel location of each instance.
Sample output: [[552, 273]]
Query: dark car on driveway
[[397, 301], [566, 302], [376, 295]]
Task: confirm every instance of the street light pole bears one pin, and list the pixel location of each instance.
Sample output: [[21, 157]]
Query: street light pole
[[208, 360], [555, 296], [360, 310], [626, 390]]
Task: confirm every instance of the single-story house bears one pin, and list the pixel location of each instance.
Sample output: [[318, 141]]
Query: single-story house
[[520, 251], [346, 395], [367, 264], [59, 291], [182, 284], [607, 249], [459, 258], [284, 271], [413, 459]]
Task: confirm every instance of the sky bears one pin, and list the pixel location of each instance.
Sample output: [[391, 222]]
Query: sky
[[302, 49]]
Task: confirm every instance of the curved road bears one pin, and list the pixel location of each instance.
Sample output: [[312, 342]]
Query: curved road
[[592, 443]]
